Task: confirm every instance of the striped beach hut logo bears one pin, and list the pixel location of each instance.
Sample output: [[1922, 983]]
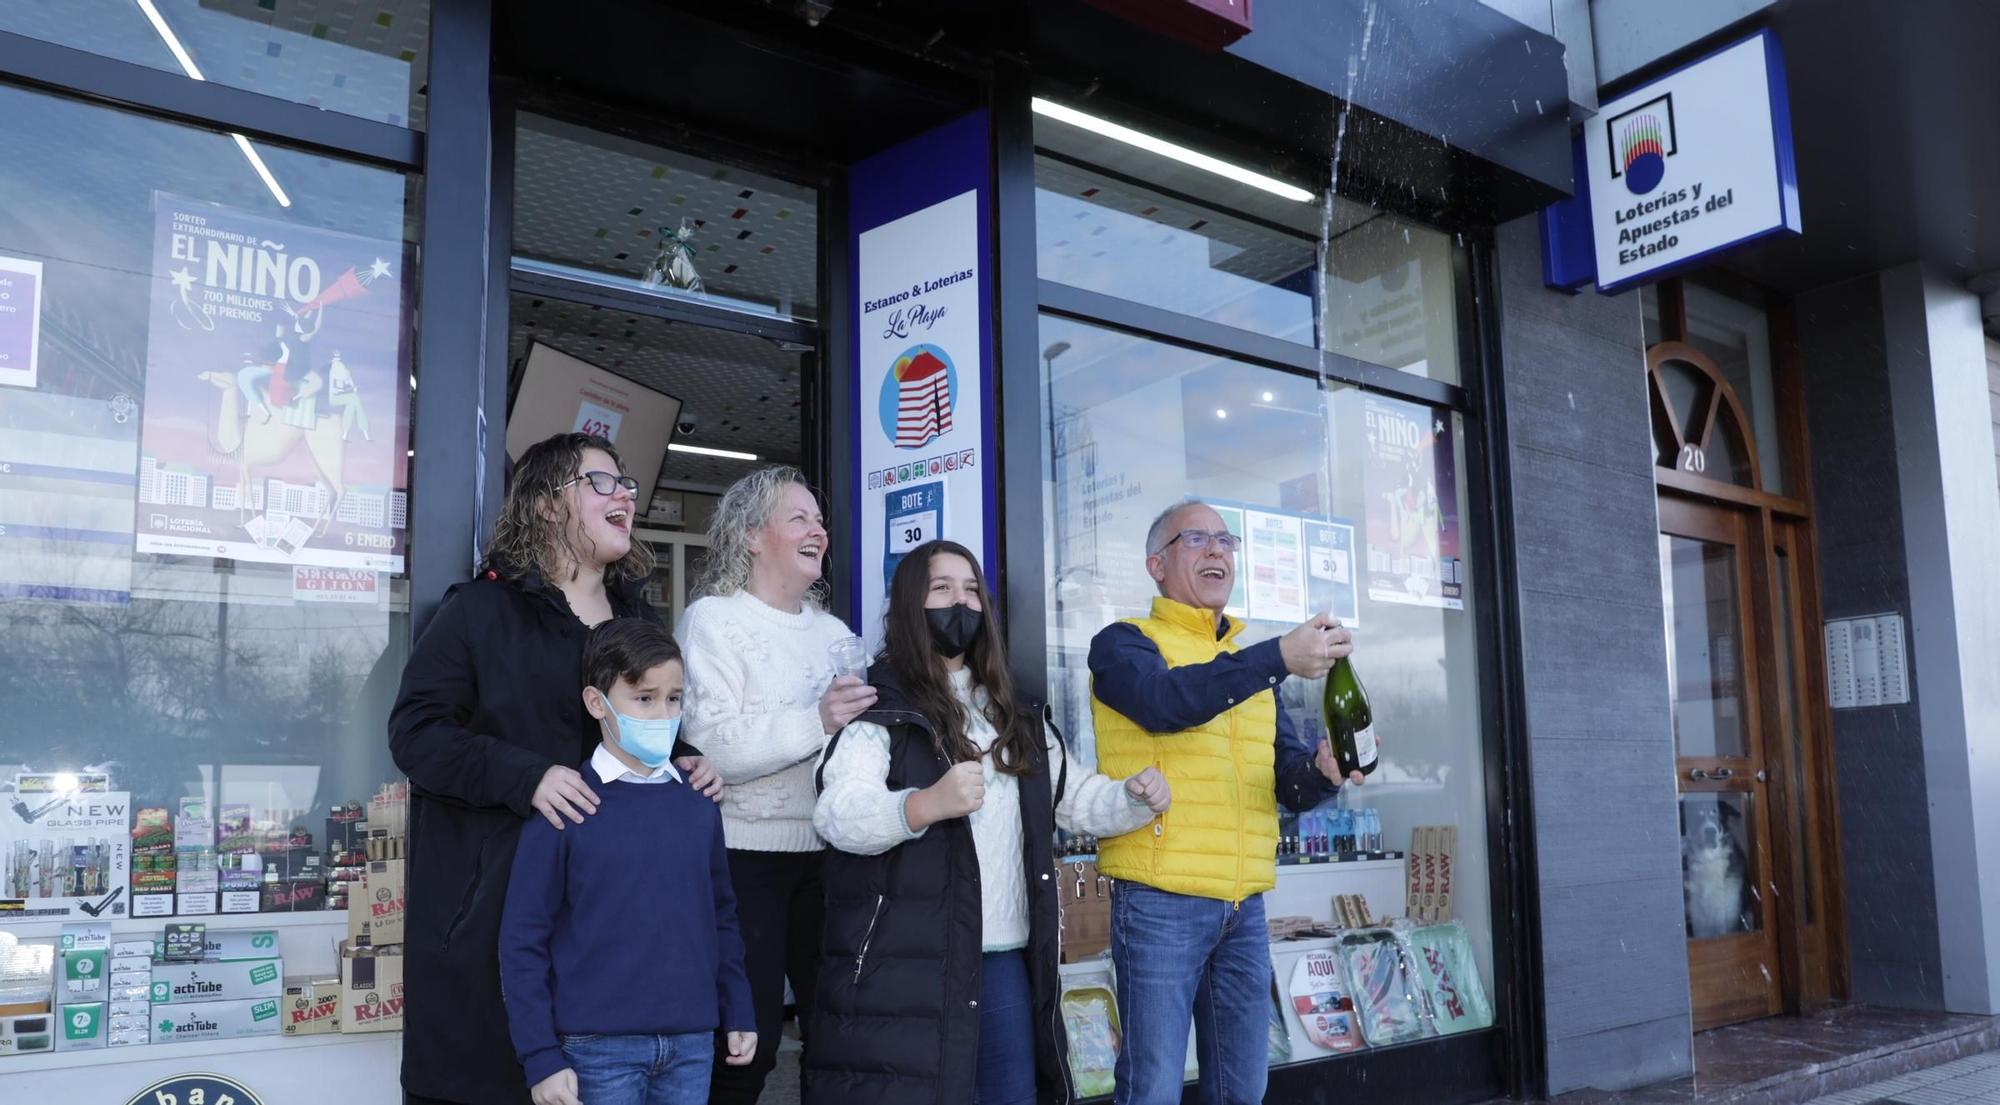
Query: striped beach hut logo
[[918, 397], [1642, 140]]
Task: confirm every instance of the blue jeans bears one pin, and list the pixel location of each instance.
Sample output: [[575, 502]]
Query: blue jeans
[[1006, 1032], [641, 1070], [1182, 958]]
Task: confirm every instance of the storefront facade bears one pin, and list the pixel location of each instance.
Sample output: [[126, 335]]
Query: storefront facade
[[1292, 268]]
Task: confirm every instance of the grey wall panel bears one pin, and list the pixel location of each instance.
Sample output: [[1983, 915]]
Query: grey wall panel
[[1892, 922], [1630, 34], [1594, 658], [1602, 1058]]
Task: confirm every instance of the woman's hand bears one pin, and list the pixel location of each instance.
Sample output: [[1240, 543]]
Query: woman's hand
[[557, 1089], [742, 1049], [848, 698], [958, 794], [1150, 787], [702, 776], [561, 794]]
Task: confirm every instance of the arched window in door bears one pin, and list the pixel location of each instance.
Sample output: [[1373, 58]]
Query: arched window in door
[[1699, 424]]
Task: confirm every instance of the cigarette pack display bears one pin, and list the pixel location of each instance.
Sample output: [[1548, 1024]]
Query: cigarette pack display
[[294, 896], [216, 1020], [127, 947], [312, 1006], [232, 830], [152, 831], [82, 1026], [240, 870], [181, 943], [222, 945], [83, 976], [194, 828], [384, 889], [1449, 975], [1385, 994], [371, 985], [85, 937], [177, 983]]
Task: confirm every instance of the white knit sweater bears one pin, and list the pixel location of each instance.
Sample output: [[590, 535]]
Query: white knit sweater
[[755, 675], [858, 813]]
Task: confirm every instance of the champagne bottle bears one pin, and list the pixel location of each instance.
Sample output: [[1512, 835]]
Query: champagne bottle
[[1349, 722]]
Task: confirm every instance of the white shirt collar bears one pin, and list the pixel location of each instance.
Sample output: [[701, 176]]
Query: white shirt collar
[[610, 770]]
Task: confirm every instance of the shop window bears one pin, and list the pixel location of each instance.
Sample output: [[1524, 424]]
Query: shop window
[[1392, 297], [666, 221], [1348, 501], [204, 444], [1105, 233], [357, 59]]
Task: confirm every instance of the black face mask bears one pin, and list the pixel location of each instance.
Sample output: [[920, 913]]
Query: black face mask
[[954, 628]]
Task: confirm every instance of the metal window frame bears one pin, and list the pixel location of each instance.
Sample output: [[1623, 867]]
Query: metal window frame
[[1509, 1057], [34, 63]]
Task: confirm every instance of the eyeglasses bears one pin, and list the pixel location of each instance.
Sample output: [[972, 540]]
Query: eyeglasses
[[604, 483], [1200, 538]]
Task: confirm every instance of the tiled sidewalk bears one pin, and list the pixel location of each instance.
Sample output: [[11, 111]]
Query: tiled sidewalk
[[1974, 1081]]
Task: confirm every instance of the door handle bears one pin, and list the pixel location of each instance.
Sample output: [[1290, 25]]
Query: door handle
[[1697, 774], [1723, 773]]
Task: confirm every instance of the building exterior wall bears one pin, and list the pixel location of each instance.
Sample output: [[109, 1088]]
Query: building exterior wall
[[1593, 647]]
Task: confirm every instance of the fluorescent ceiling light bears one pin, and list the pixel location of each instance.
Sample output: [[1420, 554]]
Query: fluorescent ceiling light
[[188, 66], [703, 450], [1164, 148]]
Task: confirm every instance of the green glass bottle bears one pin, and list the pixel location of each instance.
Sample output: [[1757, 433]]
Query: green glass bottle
[[1349, 721]]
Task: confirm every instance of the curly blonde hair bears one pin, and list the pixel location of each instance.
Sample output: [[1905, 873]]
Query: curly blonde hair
[[528, 538], [744, 507]]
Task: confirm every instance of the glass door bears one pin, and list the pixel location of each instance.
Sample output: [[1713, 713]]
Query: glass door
[[1720, 771]]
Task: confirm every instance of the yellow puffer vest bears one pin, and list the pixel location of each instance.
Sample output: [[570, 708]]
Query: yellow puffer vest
[[1219, 839]]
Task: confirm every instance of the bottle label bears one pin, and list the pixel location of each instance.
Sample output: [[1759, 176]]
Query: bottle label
[[1364, 746]]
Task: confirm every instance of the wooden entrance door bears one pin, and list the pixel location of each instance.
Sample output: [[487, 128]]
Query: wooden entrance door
[[1707, 556]]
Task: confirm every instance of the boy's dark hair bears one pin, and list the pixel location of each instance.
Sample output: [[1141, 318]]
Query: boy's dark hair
[[625, 648]]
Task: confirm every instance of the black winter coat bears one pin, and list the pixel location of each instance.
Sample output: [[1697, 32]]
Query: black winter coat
[[896, 1016], [491, 699]]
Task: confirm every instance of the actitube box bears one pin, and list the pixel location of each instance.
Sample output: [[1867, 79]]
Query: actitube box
[[225, 945], [175, 983], [215, 1020]]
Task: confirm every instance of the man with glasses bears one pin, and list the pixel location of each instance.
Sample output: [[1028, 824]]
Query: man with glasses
[[1173, 690]]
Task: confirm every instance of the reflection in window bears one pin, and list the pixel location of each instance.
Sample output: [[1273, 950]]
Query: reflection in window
[[206, 445], [1104, 234], [366, 61], [1348, 502], [1391, 297]]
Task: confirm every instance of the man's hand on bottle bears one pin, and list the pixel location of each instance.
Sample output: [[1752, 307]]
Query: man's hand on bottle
[[1329, 766], [1311, 648]]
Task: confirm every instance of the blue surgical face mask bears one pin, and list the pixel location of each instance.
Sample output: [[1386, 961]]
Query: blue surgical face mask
[[649, 740]]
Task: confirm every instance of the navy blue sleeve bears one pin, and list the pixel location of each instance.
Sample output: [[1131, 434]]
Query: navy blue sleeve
[[527, 925], [1129, 675], [732, 982], [1301, 784]]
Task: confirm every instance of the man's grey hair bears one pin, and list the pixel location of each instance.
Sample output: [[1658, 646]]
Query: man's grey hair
[[1159, 534]]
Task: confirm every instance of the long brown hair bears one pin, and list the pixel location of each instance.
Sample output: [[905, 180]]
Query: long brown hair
[[907, 646], [528, 537]]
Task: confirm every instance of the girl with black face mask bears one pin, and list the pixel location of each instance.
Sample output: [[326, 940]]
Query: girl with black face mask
[[937, 979]]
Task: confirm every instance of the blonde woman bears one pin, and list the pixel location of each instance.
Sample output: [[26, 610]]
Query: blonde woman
[[761, 701], [490, 729]]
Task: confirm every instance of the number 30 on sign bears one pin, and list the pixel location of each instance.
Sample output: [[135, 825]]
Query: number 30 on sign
[[913, 515]]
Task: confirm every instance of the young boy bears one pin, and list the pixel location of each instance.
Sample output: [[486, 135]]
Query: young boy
[[620, 957]]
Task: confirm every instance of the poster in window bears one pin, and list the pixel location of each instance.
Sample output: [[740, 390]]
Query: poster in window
[[1277, 567], [20, 320], [274, 427], [1412, 484], [1330, 571]]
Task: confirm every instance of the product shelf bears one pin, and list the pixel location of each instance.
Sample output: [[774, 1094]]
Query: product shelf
[[389, 1043], [217, 922]]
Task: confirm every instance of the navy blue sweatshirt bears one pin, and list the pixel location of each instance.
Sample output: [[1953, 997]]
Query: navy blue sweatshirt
[[624, 925], [1129, 675]]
